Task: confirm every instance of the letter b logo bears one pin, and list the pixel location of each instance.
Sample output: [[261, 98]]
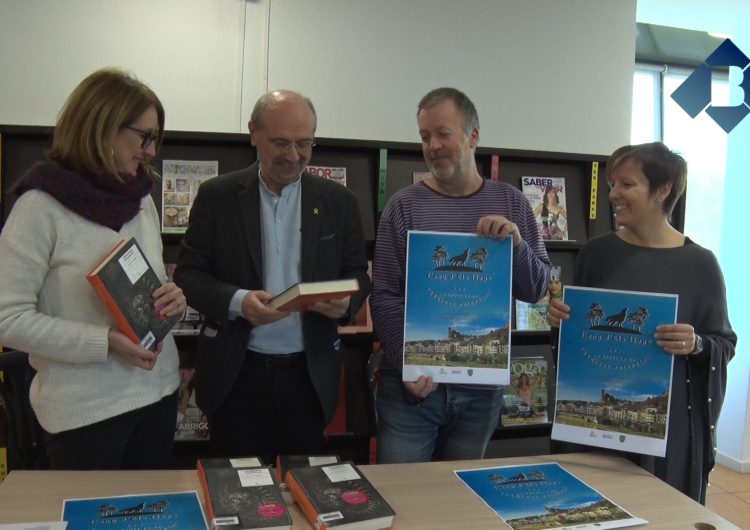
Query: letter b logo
[[694, 94]]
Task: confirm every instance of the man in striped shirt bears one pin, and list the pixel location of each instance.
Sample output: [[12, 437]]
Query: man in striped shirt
[[421, 420]]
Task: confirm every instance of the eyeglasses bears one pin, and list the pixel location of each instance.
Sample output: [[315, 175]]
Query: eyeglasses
[[149, 137], [303, 146]]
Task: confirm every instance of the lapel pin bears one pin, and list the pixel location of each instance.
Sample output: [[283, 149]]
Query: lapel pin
[[316, 211]]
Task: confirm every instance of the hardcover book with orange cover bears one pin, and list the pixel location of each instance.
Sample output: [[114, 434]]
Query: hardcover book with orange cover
[[125, 281], [300, 296], [339, 497]]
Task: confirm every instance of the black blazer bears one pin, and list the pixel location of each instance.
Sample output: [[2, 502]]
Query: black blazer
[[221, 252]]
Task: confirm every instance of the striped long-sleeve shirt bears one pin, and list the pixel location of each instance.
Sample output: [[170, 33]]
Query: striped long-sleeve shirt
[[419, 207]]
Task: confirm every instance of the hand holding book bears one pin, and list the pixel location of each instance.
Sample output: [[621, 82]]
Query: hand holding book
[[131, 352], [169, 301], [302, 296], [334, 309], [143, 309]]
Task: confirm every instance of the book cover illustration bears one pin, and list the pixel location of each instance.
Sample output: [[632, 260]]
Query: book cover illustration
[[547, 198], [613, 381], [243, 497], [179, 186], [159, 511], [541, 496], [339, 496], [125, 281], [336, 174], [457, 308], [525, 399]]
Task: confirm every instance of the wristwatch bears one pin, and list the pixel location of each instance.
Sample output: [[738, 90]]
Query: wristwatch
[[698, 345]]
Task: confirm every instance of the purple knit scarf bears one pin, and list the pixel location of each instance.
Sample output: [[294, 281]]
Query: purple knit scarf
[[100, 199]]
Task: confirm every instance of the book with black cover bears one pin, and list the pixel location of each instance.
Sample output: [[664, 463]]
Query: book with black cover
[[339, 497], [242, 498], [125, 281], [242, 462], [286, 462], [300, 296]]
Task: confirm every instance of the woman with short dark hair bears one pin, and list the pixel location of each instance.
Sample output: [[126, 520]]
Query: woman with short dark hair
[[648, 254]]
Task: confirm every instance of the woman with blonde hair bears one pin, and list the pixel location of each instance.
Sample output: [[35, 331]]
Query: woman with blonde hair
[[104, 402]]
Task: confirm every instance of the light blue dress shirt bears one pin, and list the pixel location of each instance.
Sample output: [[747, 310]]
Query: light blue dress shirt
[[281, 239]]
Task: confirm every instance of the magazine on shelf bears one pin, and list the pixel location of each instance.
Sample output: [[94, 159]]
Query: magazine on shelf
[[192, 422], [180, 180], [525, 399], [458, 308], [613, 380], [336, 174], [532, 317], [547, 198], [191, 320], [535, 496]]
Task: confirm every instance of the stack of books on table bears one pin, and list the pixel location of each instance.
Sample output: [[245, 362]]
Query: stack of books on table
[[339, 497], [242, 493]]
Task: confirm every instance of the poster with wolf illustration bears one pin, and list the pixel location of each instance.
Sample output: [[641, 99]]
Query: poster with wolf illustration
[[458, 308], [544, 496], [613, 380]]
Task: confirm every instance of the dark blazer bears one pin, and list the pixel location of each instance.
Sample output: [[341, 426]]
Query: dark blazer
[[221, 252]]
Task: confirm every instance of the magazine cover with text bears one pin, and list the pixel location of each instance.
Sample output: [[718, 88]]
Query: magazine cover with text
[[613, 381], [458, 308], [537, 496], [547, 198], [525, 399]]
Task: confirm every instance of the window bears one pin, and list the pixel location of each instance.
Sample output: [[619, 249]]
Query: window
[[700, 140]]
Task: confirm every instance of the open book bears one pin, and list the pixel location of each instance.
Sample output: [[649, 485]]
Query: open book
[[300, 296]]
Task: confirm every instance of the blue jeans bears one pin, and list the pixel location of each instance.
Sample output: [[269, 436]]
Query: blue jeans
[[452, 423]]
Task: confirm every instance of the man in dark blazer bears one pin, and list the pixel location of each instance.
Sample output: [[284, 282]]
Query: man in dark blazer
[[268, 380]]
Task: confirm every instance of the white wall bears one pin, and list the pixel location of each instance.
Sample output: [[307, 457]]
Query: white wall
[[544, 74], [189, 51], [552, 75]]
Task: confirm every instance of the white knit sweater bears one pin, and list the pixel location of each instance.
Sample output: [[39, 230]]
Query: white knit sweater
[[48, 308]]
